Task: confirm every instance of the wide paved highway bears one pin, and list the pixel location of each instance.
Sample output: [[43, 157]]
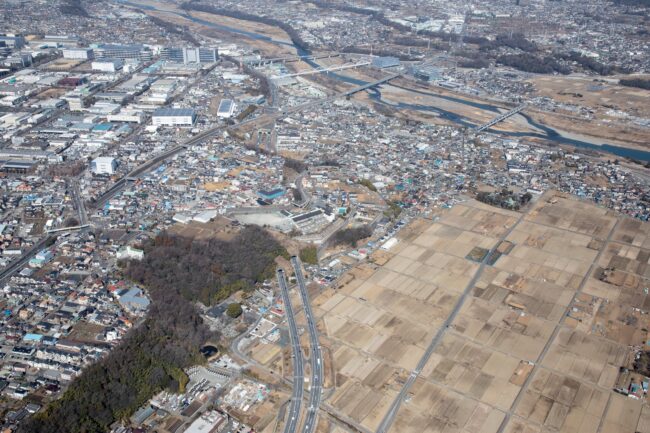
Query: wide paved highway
[[316, 357], [298, 367]]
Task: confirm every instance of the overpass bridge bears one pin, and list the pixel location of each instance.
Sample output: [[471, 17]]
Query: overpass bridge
[[500, 118], [371, 85], [69, 229], [261, 62], [345, 94], [268, 119], [321, 70]]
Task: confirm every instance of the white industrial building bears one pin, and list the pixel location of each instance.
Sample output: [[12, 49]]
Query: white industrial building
[[78, 53], [126, 116], [129, 252], [103, 165], [173, 117], [107, 65]]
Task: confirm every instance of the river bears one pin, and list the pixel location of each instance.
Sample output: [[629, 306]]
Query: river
[[547, 133]]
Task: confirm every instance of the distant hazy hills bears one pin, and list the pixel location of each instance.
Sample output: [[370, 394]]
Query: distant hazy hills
[[633, 2]]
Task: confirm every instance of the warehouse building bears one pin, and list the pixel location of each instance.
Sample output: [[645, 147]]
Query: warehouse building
[[226, 109], [385, 62], [13, 41], [270, 195], [17, 166], [114, 51], [78, 53], [107, 65], [312, 221], [173, 117], [126, 115], [103, 165], [427, 73], [189, 55]]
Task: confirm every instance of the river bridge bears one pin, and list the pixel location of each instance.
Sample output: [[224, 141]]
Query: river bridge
[[500, 118]]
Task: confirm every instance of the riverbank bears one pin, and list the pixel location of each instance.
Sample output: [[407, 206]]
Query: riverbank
[[533, 129]]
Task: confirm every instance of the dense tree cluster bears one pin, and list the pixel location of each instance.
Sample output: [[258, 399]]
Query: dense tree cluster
[[295, 165], [265, 85], [293, 33], [633, 2], [207, 271], [641, 83], [531, 63], [411, 41], [247, 112], [66, 169], [152, 357], [454, 37], [149, 359], [384, 52], [505, 199], [478, 62], [297, 195], [234, 310], [351, 236], [309, 255], [73, 7], [394, 210], [368, 184], [71, 222], [329, 162], [588, 63], [642, 363], [183, 32], [514, 41], [381, 19]]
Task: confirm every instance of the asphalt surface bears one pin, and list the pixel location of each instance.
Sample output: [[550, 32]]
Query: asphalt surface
[[316, 356], [79, 203], [291, 425]]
